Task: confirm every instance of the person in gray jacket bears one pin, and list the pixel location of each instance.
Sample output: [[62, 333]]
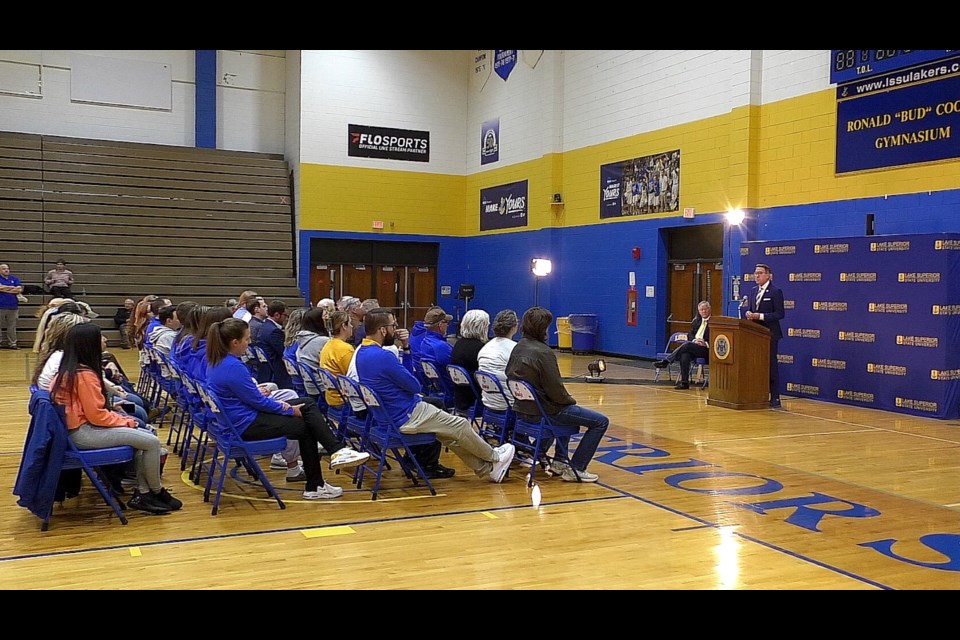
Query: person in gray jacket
[[534, 362]]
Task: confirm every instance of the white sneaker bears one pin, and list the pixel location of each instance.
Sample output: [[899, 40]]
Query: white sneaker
[[585, 476], [297, 474], [558, 468], [326, 492], [347, 457], [277, 462], [500, 467]]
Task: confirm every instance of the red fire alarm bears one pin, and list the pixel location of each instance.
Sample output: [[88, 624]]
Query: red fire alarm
[[636, 253]]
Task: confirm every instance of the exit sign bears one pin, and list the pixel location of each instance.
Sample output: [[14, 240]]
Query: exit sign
[[378, 224]]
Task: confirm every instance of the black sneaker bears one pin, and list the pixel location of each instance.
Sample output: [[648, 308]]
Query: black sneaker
[[148, 502], [164, 497]]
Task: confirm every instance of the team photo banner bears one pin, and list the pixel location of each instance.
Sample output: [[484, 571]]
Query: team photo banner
[[389, 144], [650, 184], [504, 206]]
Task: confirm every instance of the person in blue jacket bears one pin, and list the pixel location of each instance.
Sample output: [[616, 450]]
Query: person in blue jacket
[[259, 417]]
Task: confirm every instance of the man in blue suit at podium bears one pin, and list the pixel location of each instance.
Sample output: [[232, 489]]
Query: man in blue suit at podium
[[765, 306]]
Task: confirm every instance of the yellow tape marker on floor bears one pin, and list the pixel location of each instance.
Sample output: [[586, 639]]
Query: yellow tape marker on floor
[[323, 532], [489, 515], [135, 552]]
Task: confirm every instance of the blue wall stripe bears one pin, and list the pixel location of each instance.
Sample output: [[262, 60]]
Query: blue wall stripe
[[206, 98]]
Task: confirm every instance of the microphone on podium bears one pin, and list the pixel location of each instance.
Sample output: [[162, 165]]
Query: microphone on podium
[[743, 303]]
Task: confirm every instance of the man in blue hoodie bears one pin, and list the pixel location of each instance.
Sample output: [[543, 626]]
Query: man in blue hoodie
[[399, 391]]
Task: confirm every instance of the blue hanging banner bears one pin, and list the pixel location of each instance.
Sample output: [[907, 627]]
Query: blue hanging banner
[[504, 60]]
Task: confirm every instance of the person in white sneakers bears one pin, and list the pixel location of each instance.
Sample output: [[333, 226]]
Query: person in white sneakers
[[258, 417], [399, 391], [534, 362]]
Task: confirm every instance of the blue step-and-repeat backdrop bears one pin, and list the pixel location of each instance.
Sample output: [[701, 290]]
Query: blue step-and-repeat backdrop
[[870, 321]]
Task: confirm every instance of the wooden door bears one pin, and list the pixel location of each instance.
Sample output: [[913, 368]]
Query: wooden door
[[420, 293], [691, 282], [389, 289], [324, 282], [358, 281]]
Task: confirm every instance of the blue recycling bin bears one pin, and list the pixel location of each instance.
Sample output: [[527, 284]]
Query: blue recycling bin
[[583, 330]]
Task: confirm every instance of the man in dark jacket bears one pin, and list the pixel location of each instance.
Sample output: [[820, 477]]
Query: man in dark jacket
[[534, 362], [120, 318], [696, 346]]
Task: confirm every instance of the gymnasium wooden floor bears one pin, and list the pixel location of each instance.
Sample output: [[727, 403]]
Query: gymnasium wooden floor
[[816, 496]]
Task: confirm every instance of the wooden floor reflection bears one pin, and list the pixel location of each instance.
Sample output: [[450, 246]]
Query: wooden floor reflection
[[815, 496]]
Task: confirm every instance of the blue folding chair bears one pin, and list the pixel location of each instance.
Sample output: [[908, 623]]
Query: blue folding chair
[[678, 337], [529, 435], [494, 425], [460, 377], [356, 419], [227, 441], [47, 433], [438, 386], [385, 436], [293, 370], [313, 376]]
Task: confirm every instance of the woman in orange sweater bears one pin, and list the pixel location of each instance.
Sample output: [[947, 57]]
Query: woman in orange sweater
[[78, 386]]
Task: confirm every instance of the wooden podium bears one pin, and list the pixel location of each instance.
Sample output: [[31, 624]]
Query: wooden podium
[[739, 364]]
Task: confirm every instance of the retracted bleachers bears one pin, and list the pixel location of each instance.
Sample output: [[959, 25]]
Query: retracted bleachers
[[134, 219]]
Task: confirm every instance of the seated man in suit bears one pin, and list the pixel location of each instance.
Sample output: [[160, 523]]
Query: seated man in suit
[[271, 341], [696, 346]]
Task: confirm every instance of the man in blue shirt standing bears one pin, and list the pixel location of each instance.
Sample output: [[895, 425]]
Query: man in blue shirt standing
[[400, 393], [9, 306]]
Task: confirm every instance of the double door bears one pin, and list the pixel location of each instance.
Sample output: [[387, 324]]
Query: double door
[[405, 289]]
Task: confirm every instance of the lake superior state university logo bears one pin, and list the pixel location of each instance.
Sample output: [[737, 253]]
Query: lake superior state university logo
[[721, 346]]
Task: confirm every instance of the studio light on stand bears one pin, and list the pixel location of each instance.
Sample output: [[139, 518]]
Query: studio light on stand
[[595, 368], [734, 219], [539, 267]]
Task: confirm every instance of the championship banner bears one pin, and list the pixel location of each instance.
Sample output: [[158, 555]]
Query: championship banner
[[503, 207], [650, 184], [391, 144], [869, 321]]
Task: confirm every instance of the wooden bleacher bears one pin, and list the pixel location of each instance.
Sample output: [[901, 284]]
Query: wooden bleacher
[[136, 219]]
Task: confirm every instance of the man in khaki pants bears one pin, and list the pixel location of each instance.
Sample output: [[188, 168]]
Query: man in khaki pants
[[10, 289]]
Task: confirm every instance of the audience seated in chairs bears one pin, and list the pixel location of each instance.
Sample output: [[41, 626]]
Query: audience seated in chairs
[[271, 341], [534, 362], [78, 385], [495, 354], [473, 336], [310, 340], [168, 324], [399, 391], [259, 417]]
